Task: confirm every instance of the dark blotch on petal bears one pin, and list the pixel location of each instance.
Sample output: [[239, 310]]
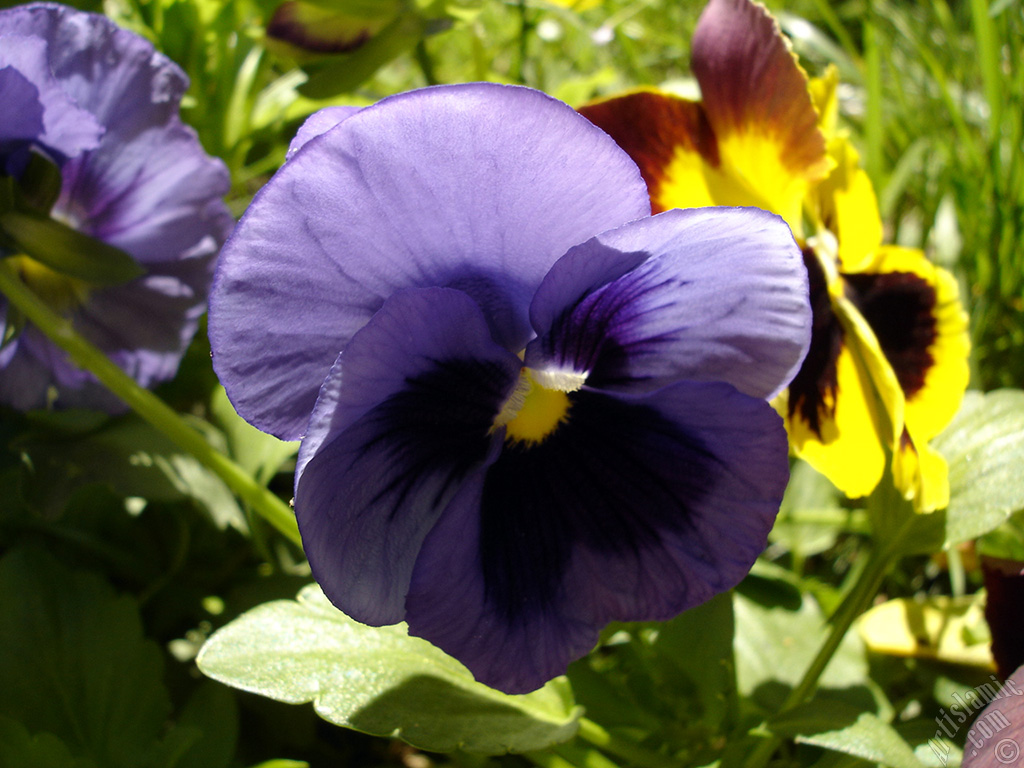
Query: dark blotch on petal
[[594, 483], [817, 381], [650, 127], [1004, 583], [439, 422], [899, 307]]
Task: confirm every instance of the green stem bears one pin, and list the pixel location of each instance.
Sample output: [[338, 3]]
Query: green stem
[[854, 604], [151, 408], [630, 751]]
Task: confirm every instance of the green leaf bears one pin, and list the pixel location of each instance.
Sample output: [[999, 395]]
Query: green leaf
[[984, 447], [379, 680], [868, 738], [775, 643], [811, 517], [212, 711], [68, 251], [698, 642], [75, 663], [40, 183], [259, 453], [20, 749], [134, 459]]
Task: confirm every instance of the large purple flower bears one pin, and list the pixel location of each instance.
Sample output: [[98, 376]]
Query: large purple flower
[[548, 411], [100, 104]]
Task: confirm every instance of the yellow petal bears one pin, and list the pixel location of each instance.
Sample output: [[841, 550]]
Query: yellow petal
[[757, 100], [921, 474], [847, 450], [845, 204]]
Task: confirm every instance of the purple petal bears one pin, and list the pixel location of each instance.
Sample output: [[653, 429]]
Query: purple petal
[[479, 187], [112, 73], [707, 294], [36, 109], [318, 123], [402, 422], [147, 187], [636, 508], [996, 736]]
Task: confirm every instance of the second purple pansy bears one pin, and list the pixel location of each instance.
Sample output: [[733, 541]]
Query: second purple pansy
[[99, 105], [528, 408]]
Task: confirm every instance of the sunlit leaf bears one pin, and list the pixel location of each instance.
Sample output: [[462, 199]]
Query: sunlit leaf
[[984, 447], [938, 627], [379, 680], [868, 738]]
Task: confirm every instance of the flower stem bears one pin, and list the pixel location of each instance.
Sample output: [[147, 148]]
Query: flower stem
[[150, 407], [631, 752], [857, 600]]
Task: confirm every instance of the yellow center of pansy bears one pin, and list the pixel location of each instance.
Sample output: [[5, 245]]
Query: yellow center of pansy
[[538, 405], [60, 292]]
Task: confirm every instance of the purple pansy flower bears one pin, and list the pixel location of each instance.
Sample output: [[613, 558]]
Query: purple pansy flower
[[101, 104], [528, 408]]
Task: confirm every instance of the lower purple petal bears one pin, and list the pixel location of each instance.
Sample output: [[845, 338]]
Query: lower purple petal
[[635, 508], [402, 422]]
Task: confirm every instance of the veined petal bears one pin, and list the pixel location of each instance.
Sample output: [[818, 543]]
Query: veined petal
[[110, 72], [701, 294], [37, 110], [634, 508], [404, 419], [913, 309], [478, 187], [757, 101]]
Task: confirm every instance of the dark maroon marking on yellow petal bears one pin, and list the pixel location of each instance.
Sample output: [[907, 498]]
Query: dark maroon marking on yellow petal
[[900, 308], [286, 25], [749, 78], [599, 480], [817, 380], [650, 127]]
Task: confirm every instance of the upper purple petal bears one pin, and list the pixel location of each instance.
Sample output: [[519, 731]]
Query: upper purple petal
[[635, 508], [479, 187], [403, 421], [704, 294]]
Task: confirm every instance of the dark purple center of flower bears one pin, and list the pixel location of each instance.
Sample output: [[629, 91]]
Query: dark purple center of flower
[[438, 423], [599, 481], [899, 307], [816, 383]]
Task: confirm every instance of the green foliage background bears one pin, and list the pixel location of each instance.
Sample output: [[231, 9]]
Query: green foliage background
[[123, 553]]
